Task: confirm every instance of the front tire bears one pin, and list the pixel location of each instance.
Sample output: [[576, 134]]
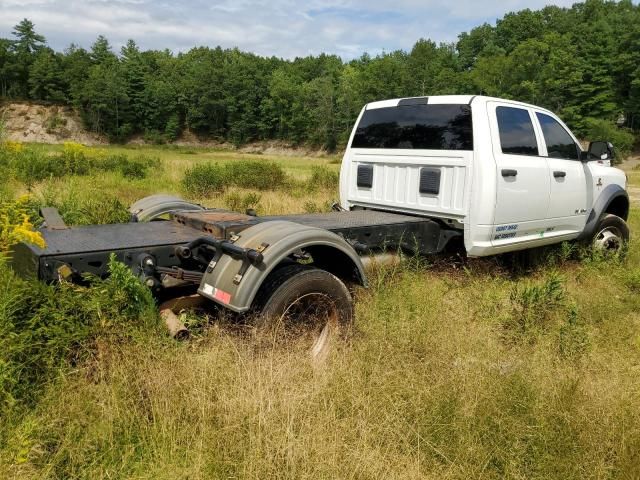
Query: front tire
[[612, 235], [302, 303]]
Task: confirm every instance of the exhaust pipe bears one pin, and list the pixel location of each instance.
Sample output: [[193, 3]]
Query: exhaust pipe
[[380, 259], [170, 309]]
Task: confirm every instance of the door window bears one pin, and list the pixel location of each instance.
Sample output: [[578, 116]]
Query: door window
[[559, 142], [517, 136]]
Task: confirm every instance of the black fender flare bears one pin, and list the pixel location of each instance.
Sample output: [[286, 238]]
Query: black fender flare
[[149, 208], [600, 206], [234, 284]]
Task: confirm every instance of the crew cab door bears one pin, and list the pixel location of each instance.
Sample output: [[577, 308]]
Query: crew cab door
[[522, 176], [567, 213]]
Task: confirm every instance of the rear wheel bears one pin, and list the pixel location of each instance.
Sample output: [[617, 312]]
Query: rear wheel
[[303, 304], [612, 234]]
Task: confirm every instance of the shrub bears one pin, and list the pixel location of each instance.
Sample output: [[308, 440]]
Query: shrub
[[257, 175], [532, 304], [311, 207], [54, 122], [134, 168], [32, 166], [573, 339], [154, 137], [86, 207], [204, 179], [622, 138], [92, 210], [15, 225], [128, 296], [323, 177], [75, 158], [631, 279], [13, 147], [240, 203], [44, 328], [208, 178]]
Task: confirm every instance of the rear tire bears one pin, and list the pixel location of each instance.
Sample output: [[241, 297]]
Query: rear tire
[[303, 303]]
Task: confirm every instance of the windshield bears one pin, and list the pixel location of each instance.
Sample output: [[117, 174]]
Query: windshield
[[434, 127]]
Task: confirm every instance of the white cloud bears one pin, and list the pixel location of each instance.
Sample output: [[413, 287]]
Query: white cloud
[[284, 28]]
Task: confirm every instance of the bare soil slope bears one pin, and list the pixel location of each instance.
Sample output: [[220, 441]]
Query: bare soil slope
[[32, 122], [28, 122]]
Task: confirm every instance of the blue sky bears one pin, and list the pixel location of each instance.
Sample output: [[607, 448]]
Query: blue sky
[[285, 28]]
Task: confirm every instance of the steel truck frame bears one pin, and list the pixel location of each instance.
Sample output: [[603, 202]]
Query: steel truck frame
[[236, 260]]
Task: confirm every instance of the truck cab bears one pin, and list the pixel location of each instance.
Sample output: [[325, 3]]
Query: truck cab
[[509, 175]]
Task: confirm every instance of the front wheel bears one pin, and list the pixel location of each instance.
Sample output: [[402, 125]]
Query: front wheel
[[302, 303], [612, 235]]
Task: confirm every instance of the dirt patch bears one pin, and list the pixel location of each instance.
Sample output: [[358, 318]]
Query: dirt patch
[[283, 149], [630, 164], [28, 122]]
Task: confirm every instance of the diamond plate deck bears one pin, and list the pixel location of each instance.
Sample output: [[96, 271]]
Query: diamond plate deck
[[96, 238]]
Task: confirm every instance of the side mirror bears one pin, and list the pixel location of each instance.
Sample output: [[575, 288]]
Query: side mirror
[[600, 150]]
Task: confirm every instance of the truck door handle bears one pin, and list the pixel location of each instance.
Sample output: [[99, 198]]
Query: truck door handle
[[506, 172], [559, 174]]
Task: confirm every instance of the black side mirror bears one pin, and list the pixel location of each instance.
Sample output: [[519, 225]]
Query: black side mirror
[[600, 151]]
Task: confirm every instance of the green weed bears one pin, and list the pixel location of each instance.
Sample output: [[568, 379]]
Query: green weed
[[256, 175], [532, 304], [573, 338], [240, 202], [205, 179], [323, 177], [84, 208], [43, 327]]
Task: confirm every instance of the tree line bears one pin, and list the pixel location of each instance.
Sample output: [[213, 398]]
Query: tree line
[[582, 62]]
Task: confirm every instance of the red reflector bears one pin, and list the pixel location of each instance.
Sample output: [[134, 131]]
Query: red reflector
[[221, 295]]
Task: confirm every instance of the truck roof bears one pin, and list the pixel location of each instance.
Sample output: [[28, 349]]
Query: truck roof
[[443, 99]]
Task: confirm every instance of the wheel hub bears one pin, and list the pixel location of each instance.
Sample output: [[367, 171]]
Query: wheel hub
[[608, 240]]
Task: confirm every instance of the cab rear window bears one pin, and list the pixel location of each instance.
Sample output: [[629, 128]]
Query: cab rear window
[[433, 127]]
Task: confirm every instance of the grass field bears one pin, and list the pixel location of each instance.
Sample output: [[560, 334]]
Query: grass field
[[454, 370], [174, 161]]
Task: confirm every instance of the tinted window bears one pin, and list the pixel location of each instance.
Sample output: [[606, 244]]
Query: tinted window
[[559, 142], [516, 131], [437, 127]]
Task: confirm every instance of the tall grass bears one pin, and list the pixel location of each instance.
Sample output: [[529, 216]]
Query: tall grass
[[32, 165], [453, 371], [208, 178], [46, 328], [428, 387]]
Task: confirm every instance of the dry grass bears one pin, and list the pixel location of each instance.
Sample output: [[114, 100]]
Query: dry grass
[[434, 383], [174, 162]]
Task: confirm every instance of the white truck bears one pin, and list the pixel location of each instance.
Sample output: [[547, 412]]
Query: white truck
[[418, 173], [509, 175]]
